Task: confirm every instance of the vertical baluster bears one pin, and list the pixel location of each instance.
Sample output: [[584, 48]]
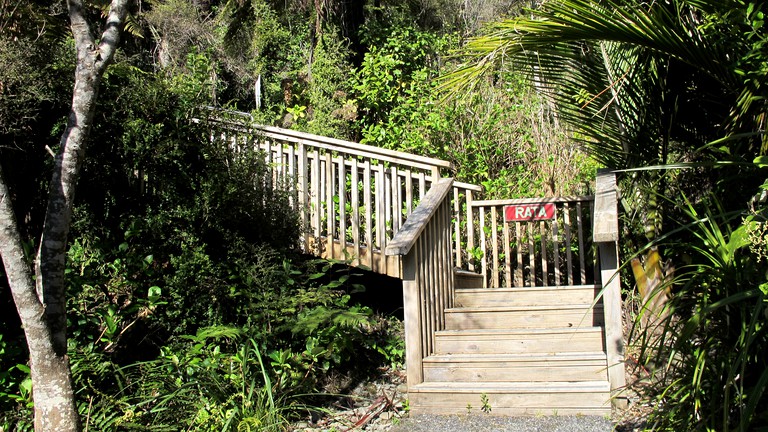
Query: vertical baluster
[[457, 227], [342, 179], [483, 248], [303, 195], [367, 186], [356, 210], [519, 281], [317, 189], [291, 182], [582, 251], [556, 248], [495, 246], [507, 257], [409, 191], [470, 231], [568, 254], [531, 251], [380, 217], [330, 223], [544, 266]]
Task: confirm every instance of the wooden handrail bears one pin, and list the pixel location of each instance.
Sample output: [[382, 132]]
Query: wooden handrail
[[424, 243], [333, 144], [555, 200]]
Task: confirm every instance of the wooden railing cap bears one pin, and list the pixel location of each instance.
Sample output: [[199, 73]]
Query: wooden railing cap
[[606, 217]]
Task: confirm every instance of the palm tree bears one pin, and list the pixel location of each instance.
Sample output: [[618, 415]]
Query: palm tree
[[669, 83], [640, 82]]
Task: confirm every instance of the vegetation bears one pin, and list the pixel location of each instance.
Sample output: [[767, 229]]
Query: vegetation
[[187, 303], [670, 92]]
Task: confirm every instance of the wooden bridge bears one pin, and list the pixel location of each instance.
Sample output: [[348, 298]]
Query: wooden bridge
[[522, 316]]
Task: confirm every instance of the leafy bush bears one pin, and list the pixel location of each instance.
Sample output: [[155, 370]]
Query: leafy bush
[[707, 354]]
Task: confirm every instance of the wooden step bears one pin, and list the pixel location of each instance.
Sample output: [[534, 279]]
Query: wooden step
[[512, 398], [525, 296], [559, 340], [509, 317], [573, 367]]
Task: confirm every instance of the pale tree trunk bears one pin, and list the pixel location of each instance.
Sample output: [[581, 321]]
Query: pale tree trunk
[[41, 302]]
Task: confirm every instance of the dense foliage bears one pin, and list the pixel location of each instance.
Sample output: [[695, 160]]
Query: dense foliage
[[671, 92], [188, 303]]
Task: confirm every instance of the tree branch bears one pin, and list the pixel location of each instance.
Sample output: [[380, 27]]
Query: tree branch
[[118, 11]]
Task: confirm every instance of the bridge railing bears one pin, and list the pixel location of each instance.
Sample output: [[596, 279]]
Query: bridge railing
[[351, 198], [426, 247], [540, 242]]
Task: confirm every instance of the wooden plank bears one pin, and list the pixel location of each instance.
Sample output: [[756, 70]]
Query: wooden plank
[[292, 180], [508, 282], [554, 200], [495, 245], [483, 248], [425, 339], [269, 162], [348, 147], [531, 253], [457, 226], [582, 339], [413, 227], [516, 317], [303, 167], [380, 202], [409, 191], [412, 303], [397, 201], [519, 281], [568, 254], [367, 186], [614, 338], [582, 251], [526, 296], [329, 205], [544, 266], [470, 231], [342, 212], [556, 250], [606, 220], [467, 186], [422, 185], [317, 189], [355, 180]]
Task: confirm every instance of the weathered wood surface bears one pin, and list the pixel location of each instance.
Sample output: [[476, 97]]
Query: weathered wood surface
[[425, 244], [606, 234], [532, 253], [392, 212], [347, 194]]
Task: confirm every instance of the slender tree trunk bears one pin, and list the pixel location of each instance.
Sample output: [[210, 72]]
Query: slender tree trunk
[[41, 302]]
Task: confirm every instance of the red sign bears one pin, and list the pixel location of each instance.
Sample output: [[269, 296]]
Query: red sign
[[529, 212]]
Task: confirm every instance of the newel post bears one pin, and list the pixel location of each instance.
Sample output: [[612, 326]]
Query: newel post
[[606, 237], [412, 320]]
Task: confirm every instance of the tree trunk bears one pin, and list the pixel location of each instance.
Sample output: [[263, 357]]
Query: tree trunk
[[41, 302]]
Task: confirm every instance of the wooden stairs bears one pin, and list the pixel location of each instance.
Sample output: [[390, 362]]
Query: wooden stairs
[[518, 351], [510, 305]]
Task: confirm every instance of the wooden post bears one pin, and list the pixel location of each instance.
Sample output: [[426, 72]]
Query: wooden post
[[606, 236], [412, 319]]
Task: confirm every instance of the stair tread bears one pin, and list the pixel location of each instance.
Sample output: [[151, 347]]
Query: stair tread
[[497, 332], [529, 288], [513, 387], [491, 357], [521, 308]]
